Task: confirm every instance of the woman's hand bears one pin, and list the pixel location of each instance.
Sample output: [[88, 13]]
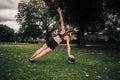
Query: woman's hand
[[71, 56], [59, 10]]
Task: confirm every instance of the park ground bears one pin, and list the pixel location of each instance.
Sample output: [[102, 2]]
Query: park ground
[[92, 63]]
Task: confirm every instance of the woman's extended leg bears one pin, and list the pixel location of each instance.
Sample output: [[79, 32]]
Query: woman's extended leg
[[39, 50], [42, 53]]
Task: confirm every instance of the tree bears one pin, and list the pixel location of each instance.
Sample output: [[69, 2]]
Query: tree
[[111, 16], [49, 25], [27, 19], [35, 20], [6, 34]]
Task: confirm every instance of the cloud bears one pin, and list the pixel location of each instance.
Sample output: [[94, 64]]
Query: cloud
[[8, 11], [11, 24], [7, 15], [8, 4], [2, 19]]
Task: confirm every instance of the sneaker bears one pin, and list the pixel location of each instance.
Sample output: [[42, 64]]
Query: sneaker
[[30, 61]]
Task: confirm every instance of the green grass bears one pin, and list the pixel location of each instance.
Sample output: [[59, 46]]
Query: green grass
[[93, 63]]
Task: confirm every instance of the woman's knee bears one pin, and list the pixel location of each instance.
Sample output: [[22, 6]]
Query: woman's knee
[[38, 51]]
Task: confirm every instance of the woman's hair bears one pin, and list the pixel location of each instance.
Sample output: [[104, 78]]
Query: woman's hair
[[68, 30]]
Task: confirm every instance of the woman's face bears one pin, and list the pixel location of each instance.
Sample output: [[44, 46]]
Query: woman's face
[[69, 31]]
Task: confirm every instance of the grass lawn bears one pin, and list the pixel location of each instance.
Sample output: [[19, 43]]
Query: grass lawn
[[93, 63]]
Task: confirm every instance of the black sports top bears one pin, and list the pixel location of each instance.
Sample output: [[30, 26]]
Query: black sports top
[[62, 37]]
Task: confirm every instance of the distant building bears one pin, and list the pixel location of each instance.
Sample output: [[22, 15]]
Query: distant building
[[96, 37]]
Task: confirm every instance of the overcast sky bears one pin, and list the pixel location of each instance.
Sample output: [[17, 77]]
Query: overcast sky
[[8, 10]]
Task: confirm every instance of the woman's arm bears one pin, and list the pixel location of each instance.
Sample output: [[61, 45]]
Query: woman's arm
[[61, 20], [68, 47]]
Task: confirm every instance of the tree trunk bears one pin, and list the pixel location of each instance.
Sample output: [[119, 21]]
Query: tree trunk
[[81, 37], [110, 40], [48, 36]]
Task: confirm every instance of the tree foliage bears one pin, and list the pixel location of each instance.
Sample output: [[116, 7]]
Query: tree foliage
[[27, 18], [111, 16], [35, 19], [6, 34]]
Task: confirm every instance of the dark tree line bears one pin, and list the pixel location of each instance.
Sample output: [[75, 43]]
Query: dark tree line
[[6, 34]]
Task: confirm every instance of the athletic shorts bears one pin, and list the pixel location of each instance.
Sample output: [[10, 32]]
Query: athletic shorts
[[52, 43]]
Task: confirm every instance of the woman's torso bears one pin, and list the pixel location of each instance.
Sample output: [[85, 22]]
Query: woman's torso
[[59, 40]]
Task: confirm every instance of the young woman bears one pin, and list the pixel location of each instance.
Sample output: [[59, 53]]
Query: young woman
[[54, 42]]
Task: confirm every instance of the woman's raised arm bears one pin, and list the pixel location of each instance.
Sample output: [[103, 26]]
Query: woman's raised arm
[[61, 19]]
